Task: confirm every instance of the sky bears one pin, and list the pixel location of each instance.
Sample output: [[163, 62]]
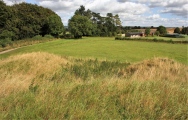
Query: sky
[[169, 13]]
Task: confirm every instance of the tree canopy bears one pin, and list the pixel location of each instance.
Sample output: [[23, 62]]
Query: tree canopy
[[94, 25], [177, 30], [26, 20], [80, 26], [147, 31], [184, 30], [162, 30]]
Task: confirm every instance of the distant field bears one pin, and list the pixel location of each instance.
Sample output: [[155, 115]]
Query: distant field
[[108, 48], [168, 38]]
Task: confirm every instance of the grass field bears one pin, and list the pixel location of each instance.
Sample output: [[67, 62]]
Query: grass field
[[168, 38], [92, 78], [108, 48]]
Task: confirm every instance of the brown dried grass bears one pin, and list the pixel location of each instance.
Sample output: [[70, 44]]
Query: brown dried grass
[[18, 72], [158, 69]]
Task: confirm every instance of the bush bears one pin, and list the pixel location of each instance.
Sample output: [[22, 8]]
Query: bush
[[155, 39], [49, 36], [170, 41], [37, 37], [67, 36], [5, 42]]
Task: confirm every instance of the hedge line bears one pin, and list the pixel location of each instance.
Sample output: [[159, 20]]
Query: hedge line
[[152, 40]]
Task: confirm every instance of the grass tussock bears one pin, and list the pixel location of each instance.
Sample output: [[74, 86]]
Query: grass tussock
[[158, 69], [46, 86]]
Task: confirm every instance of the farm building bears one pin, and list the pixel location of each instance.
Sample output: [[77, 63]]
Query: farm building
[[135, 34]]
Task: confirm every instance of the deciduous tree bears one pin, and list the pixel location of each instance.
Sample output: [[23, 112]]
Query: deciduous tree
[[177, 30], [80, 26], [147, 31], [162, 30]]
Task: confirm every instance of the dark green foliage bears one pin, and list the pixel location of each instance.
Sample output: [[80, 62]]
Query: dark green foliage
[[5, 42], [151, 40], [157, 33], [147, 31], [49, 37], [94, 24], [25, 20], [162, 30], [185, 30], [55, 26], [6, 34], [37, 37], [177, 30], [5, 14], [174, 35], [67, 36], [80, 26]]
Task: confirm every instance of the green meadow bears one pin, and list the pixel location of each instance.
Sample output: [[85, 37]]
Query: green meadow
[[170, 38], [94, 78], [108, 48]]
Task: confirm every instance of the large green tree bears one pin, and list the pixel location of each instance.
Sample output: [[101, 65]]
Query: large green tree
[[184, 30], [177, 30], [26, 20], [80, 26], [147, 31], [107, 25], [4, 14], [162, 30], [55, 26]]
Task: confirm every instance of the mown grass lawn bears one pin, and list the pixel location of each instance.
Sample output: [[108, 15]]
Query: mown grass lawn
[[108, 48]]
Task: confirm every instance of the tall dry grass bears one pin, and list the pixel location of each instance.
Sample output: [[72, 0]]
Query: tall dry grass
[[46, 86], [18, 72], [158, 69]]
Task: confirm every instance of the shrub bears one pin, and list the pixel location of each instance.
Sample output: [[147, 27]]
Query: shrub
[[155, 39], [67, 36], [49, 37], [170, 41], [5, 42], [37, 37]]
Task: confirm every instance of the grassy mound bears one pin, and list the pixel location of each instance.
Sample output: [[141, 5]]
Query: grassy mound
[[18, 72], [46, 86], [158, 69]]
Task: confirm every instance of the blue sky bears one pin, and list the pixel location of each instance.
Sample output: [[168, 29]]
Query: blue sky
[[170, 13]]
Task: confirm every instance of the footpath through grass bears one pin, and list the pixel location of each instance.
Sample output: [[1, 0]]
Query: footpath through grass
[[108, 48]]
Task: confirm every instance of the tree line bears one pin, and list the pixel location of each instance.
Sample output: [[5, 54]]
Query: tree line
[[26, 20], [88, 23]]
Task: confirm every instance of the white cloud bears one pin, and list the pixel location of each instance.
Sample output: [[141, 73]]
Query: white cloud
[[66, 8], [131, 12], [174, 7], [179, 11], [153, 17], [11, 2], [116, 7]]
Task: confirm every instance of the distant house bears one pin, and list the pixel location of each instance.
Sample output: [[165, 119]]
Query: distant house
[[135, 34]]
